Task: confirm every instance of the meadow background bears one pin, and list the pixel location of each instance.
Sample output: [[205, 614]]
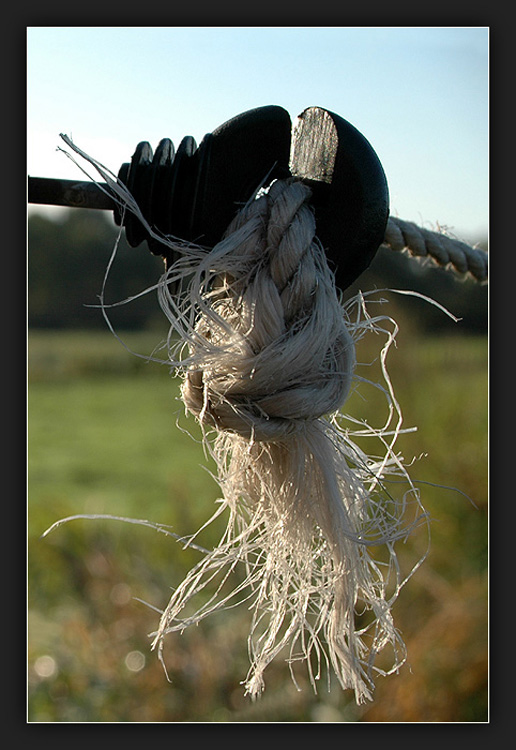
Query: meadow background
[[104, 436]]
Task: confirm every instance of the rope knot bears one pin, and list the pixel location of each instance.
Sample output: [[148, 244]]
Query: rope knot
[[272, 350]]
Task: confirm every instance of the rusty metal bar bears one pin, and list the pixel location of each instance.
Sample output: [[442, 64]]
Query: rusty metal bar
[[54, 192]]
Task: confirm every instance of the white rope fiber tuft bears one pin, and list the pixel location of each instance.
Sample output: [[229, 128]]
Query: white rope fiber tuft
[[270, 363]]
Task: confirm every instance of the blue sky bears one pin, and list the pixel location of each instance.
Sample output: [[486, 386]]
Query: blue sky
[[420, 96]]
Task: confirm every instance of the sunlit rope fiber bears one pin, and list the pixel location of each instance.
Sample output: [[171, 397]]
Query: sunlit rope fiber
[[268, 366]]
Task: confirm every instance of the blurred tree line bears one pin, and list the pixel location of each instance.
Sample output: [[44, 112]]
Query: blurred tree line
[[67, 260]]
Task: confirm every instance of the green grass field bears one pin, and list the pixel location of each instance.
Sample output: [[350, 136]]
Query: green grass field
[[103, 438]]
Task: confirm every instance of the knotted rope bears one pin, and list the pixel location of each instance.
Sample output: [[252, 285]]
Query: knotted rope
[[274, 354], [270, 363]]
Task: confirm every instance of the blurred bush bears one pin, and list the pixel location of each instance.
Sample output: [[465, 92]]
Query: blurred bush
[[67, 260]]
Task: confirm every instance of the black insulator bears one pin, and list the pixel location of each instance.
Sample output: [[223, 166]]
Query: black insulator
[[192, 194]]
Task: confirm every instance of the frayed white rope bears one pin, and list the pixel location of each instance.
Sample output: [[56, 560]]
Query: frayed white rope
[[266, 351], [446, 251], [270, 363]]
